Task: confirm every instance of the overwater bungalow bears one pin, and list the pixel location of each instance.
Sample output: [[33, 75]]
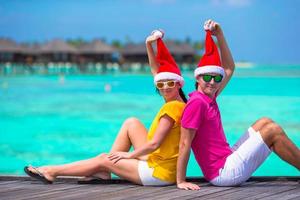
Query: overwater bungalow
[[95, 52], [182, 52], [92, 57], [134, 53], [31, 53], [137, 53], [10, 51], [57, 51]]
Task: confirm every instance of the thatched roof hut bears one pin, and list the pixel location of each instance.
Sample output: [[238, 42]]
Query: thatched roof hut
[[96, 51], [96, 47], [182, 52], [57, 46], [10, 51], [58, 51], [134, 53], [9, 46]]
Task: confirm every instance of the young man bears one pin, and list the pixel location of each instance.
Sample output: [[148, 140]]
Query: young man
[[202, 128]]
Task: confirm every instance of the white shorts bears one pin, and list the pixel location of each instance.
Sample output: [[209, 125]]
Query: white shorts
[[145, 173], [248, 154]]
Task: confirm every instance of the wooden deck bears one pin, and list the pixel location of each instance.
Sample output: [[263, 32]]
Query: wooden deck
[[19, 187]]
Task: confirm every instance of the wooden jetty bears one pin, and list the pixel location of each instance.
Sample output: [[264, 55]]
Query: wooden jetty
[[21, 187]]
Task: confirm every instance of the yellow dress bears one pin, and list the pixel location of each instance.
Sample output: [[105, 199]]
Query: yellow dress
[[164, 159]]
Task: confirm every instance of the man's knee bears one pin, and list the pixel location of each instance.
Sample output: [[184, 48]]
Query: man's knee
[[260, 123], [265, 120], [271, 131], [273, 128]]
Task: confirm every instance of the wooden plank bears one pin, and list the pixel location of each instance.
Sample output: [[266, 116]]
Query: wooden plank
[[249, 191], [162, 191], [127, 194], [144, 191], [215, 192], [273, 188], [24, 188], [84, 192], [203, 192], [287, 195], [180, 194], [28, 190], [98, 194]]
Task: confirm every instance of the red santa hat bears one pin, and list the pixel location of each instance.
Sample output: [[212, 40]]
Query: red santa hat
[[168, 68], [210, 61]]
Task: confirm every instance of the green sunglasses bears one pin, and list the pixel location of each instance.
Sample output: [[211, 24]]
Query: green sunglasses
[[207, 78]]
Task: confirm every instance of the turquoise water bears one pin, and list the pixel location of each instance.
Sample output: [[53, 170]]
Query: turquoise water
[[52, 119]]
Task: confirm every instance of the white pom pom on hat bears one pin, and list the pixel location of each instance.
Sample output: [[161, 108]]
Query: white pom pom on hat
[[159, 33]]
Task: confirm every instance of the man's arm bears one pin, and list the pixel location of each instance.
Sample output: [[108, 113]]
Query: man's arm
[[186, 138], [226, 57], [227, 60]]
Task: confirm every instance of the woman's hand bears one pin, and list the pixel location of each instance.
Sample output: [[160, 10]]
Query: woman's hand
[[188, 186], [213, 26], [116, 156], [150, 39], [154, 36]]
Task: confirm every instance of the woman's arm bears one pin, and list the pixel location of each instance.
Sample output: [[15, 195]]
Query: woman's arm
[[165, 125], [151, 56]]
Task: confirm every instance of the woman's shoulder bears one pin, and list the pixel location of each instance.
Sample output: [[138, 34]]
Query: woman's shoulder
[[173, 106], [173, 109], [174, 103]]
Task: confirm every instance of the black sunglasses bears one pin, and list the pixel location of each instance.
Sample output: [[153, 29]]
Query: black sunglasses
[[207, 78]]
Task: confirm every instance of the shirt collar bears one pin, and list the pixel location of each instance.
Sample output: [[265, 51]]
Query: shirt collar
[[205, 97]]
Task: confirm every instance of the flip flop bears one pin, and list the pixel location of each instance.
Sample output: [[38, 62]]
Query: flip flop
[[38, 175]]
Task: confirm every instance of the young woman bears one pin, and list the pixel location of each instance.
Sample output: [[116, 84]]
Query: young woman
[[154, 159]]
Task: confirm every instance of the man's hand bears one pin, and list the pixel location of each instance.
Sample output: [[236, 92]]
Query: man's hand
[[188, 186], [213, 26]]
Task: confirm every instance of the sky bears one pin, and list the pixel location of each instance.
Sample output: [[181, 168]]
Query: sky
[[259, 31]]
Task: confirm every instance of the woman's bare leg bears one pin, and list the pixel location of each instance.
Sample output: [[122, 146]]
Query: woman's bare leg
[[132, 133], [125, 168]]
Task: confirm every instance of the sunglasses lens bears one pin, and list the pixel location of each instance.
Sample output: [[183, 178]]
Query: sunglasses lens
[[160, 85], [207, 78], [218, 78], [171, 84]]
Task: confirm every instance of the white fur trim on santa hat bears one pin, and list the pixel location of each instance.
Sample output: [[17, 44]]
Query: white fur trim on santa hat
[[209, 69], [168, 75]]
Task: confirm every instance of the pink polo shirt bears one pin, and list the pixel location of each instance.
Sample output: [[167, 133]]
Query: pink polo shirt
[[209, 145]]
